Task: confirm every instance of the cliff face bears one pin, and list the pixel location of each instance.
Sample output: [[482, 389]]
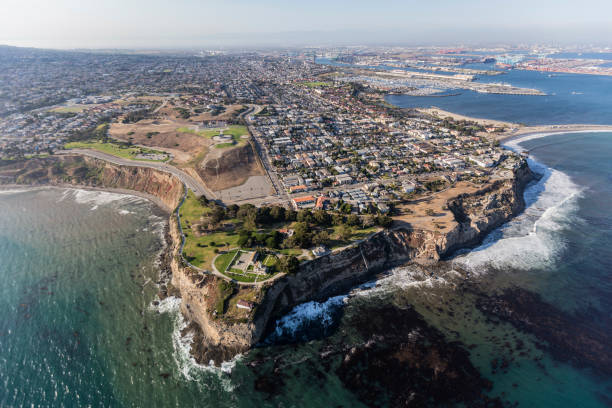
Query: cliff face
[[68, 170], [214, 339], [475, 216], [220, 338]]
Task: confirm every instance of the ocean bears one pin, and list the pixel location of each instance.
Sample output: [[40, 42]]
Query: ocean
[[81, 325]]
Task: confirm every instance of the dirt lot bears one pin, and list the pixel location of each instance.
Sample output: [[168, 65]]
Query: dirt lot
[[163, 135], [229, 169], [416, 212]]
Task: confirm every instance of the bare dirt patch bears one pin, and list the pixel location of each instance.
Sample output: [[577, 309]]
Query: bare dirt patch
[[430, 212], [230, 168], [161, 134]]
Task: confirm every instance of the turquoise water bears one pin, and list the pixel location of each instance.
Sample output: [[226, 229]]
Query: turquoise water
[[79, 327]]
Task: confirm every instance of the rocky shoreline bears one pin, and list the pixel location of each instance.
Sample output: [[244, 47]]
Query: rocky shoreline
[[220, 339]]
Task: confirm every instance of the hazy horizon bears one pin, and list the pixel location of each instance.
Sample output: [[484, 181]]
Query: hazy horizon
[[139, 24]]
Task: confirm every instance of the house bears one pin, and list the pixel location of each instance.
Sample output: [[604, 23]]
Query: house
[[303, 202], [320, 251], [321, 203], [344, 179], [408, 187], [286, 231], [298, 189], [244, 304]]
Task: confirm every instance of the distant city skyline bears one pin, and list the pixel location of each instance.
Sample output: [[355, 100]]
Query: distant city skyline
[[189, 23]]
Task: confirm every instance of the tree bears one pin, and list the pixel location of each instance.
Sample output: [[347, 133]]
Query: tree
[[232, 210], [384, 221], [345, 232], [203, 200], [320, 238], [337, 219], [290, 215], [304, 216], [346, 208], [288, 264], [353, 220], [271, 242], [277, 213], [322, 218], [246, 209], [301, 236], [249, 222], [369, 221], [217, 214]]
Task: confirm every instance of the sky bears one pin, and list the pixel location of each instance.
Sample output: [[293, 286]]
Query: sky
[[156, 24]]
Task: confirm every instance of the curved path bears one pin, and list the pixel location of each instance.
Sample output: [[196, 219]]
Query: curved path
[[193, 184], [227, 278], [189, 181]]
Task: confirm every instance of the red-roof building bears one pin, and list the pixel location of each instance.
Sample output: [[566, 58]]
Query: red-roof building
[[303, 202]]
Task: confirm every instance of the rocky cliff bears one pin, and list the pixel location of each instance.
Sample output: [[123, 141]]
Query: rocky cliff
[[475, 215], [74, 170], [219, 338]]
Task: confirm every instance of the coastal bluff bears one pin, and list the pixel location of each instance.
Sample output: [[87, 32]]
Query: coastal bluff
[[84, 171], [219, 338], [475, 215]]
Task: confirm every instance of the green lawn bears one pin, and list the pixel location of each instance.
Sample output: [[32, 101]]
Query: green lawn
[[249, 277], [224, 145], [270, 261], [199, 250], [118, 150], [235, 130], [223, 260], [358, 234], [290, 251]]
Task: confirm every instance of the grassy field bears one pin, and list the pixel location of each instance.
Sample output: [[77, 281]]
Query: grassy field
[[358, 234], [270, 261], [114, 149], [200, 251], [223, 260], [291, 251], [248, 277], [235, 130], [224, 145]]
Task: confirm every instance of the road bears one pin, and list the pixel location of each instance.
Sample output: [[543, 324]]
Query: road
[[264, 157], [198, 188]]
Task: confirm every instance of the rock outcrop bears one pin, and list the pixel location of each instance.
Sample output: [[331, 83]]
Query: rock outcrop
[[219, 339], [475, 215], [84, 171]]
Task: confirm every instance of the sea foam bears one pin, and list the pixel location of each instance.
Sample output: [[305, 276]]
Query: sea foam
[[530, 240], [186, 364], [98, 198]]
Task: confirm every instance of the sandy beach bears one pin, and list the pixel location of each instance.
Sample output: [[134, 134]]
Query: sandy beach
[[515, 129]]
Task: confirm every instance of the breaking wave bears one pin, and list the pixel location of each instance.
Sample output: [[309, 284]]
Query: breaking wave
[[98, 198], [307, 321], [189, 368], [530, 240]]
